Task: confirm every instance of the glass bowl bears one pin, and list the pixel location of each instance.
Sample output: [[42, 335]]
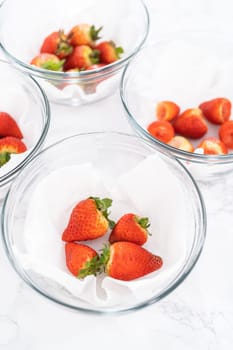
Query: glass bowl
[[124, 22], [22, 97], [109, 164], [188, 69]]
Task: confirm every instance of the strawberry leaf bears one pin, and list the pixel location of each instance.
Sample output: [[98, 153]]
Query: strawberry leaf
[[119, 51], [144, 223], [51, 65], [96, 265], [4, 158], [103, 205], [94, 33], [90, 268], [95, 56]]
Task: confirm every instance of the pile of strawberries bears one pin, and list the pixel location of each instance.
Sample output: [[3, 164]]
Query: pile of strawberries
[[10, 138], [76, 51], [122, 258], [174, 128]]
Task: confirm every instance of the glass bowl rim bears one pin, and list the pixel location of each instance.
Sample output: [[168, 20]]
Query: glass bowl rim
[[4, 179], [82, 74], [163, 147], [191, 261]]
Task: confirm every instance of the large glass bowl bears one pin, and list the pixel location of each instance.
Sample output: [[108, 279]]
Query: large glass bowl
[[166, 192], [23, 98], [187, 68], [24, 25]]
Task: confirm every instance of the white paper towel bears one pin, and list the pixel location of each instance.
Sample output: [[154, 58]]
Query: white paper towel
[[150, 189]]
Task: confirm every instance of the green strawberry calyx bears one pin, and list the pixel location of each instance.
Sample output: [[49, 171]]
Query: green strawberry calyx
[[118, 50], [96, 265], [4, 158], [95, 56], [89, 268], [103, 205], [94, 33], [143, 222], [63, 44], [51, 65]]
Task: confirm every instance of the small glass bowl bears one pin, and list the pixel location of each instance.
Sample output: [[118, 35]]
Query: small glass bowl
[[180, 221], [22, 97], [124, 22], [188, 69]]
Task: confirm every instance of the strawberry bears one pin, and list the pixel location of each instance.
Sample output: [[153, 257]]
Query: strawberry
[[56, 43], [125, 261], [48, 61], [88, 220], [131, 228], [217, 111], [167, 110], [8, 126], [12, 145], [161, 130], [191, 124], [84, 34], [79, 257], [182, 143], [109, 53], [226, 133], [211, 145], [82, 57]]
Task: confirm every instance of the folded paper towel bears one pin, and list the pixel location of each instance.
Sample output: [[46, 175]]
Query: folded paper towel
[[149, 189]]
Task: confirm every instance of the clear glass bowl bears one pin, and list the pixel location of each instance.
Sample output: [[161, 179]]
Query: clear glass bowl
[[178, 224], [23, 98], [124, 22], [187, 68]]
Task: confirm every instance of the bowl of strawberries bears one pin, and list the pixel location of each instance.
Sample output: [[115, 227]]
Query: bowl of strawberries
[[24, 122], [183, 102], [103, 236], [78, 50]]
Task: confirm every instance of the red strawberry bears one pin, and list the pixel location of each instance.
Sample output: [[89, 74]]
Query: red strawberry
[[8, 126], [79, 257], [211, 145], [217, 111], [82, 57], [191, 124], [48, 61], [109, 53], [226, 133], [161, 130], [130, 228], [182, 143], [56, 43], [125, 261], [167, 110], [12, 145], [84, 34], [88, 220]]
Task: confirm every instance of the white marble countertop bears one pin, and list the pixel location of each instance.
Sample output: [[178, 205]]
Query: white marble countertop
[[199, 313]]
